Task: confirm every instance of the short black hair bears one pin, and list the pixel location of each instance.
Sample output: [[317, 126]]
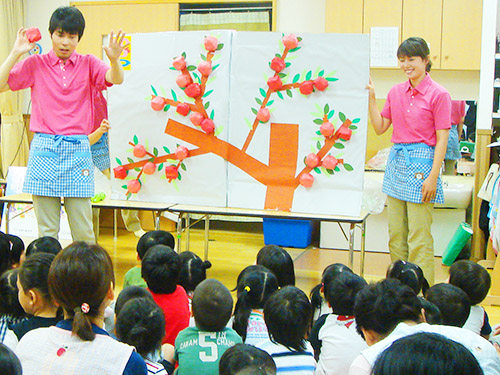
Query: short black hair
[[288, 314], [193, 270], [452, 301], [329, 273], [68, 19], [409, 274], [341, 292], [17, 248], [9, 301], [44, 244], [9, 363], [431, 312], [5, 253], [154, 237], [212, 305], [381, 306], [415, 47], [279, 262], [160, 269], [128, 293], [244, 357], [34, 274], [472, 278]]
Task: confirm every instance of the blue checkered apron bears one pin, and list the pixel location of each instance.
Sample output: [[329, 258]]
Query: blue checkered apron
[[100, 153], [453, 149], [408, 165], [60, 166]]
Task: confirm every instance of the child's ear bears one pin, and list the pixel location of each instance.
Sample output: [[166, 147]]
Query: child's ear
[[111, 292], [138, 258], [33, 297]]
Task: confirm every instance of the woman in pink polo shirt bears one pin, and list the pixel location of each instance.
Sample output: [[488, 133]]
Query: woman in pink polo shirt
[[419, 112]]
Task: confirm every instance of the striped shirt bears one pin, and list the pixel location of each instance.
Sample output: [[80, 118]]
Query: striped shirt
[[290, 362]]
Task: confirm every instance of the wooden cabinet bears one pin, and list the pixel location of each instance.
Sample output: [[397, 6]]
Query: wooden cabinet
[[385, 13], [344, 16]]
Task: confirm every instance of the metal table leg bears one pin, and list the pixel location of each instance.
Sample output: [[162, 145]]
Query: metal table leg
[[207, 229], [362, 261], [351, 245], [179, 232], [188, 231]]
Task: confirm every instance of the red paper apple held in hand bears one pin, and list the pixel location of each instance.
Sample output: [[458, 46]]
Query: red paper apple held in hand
[[149, 168], [211, 43], [139, 151], [263, 115], [183, 109], [183, 80], [329, 162], [33, 34], [306, 87], [205, 67], [120, 172], [345, 133], [312, 160], [290, 41], [321, 83], [274, 83], [207, 126], [157, 103], [196, 118], [306, 180], [171, 172], [193, 90], [327, 129], [277, 64], [133, 186], [179, 63], [181, 153]]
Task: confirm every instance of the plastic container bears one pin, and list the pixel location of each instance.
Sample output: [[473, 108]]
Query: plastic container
[[288, 233], [457, 243]]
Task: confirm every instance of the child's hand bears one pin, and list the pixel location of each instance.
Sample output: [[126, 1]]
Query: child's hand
[[116, 45], [104, 127]]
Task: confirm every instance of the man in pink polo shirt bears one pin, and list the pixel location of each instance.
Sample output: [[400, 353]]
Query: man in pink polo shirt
[[62, 83]]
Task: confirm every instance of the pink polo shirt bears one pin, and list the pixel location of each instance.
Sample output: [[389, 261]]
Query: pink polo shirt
[[417, 112], [457, 111], [61, 94]]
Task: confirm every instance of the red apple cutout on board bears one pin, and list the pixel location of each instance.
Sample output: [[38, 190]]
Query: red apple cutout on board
[[327, 129], [193, 90], [277, 64], [181, 153], [120, 172], [306, 180], [183, 80], [182, 109], [320, 83], [149, 168], [290, 41], [179, 63], [171, 172], [312, 160], [207, 126], [211, 43], [196, 118], [274, 83], [306, 87], [205, 68], [157, 103], [263, 115], [139, 151], [345, 133], [133, 186], [329, 162]]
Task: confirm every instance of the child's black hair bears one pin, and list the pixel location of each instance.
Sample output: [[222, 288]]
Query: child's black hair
[[415, 47], [279, 262], [329, 273], [193, 270], [45, 244], [131, 292], [160, 269], [431, 312], [287, 314], [141, 323], [9, 363], [248, 358], [254, 287], [34, 274], [212, 305], [17, 249], [452, 301], [472, 278], [152, 238], [341, 292], [68, 19], [409, 274], [5, 253], [9, 301]]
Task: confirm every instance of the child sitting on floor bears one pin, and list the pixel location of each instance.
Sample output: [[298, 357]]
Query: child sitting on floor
[[45, 244], [193, 272], [409, 274], [280, 263], [246, 359], [11, 311]]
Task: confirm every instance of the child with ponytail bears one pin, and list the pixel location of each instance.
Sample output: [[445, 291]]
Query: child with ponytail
[[81, 281]]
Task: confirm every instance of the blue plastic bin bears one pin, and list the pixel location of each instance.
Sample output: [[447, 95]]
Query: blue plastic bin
[[288, 233]]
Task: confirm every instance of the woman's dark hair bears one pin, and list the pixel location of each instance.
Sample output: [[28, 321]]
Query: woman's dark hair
[[193, 270], [160, 269], [287, 314], [409, 274], [9, 363], [141, 323], [34, 274], [212, 305], [253, 291], [128, 293], [472, 278], [152, 238], [248, 358], [17, 249], [413, 47], [5, 253], [9, 301], [341, 292], [279, 262], [426, 354], [80, 275], [69, 19], [329, 273], [45, 244]]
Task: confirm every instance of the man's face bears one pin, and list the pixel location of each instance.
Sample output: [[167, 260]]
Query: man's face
[[64, 44]]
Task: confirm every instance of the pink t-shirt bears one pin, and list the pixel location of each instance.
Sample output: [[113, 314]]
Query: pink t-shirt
[[61, 94], [417, 112], [457, 111]]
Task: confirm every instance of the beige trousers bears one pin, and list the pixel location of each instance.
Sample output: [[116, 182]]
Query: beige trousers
[[410, 237]]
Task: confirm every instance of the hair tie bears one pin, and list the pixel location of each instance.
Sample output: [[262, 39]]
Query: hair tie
[[247, 288], [84, 308]]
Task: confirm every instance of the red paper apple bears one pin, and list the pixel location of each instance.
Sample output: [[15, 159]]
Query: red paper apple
[[277, 64], [193, 90], [207, 126], [120, 172], [312, 160], [183, 80], [157, 103], [33, 34], [329, 162], [181, 153], [179, 63], [196, 118], [149, 168], [211, 43], [182, 109], [139, 151], [306, 180], [133, 186], [306, 87], [327, 129], [345, 133], [321, 83], [205, 67], [171, 172], [263, 115], [274, 83], [290, 41]]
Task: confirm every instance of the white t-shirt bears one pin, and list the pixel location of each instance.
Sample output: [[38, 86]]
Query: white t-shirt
[[256, 329]]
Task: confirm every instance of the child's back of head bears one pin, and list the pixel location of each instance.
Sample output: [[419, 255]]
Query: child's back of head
[[288, 314], [452, 302], [193, 270], [255, 285], [409, 274], [246, 359], [5, 255], [9, 363], [160, 269], [341, 292], [129, 293], [33, 275], [17, 250], [280, 263], [472, 278], [152, 238], [212, 305], [9, 302], [45, 244]]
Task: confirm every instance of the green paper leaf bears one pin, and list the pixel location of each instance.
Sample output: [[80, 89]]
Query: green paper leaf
[[124, 186], [183, 166], [207, 104], [289, 93], [318, 121], [308, 75], [208, 93], [321, 73], [337, 169], [339, 146], [299, 39], [160, 167], [296, 78], [317, 170], [154, 91], [259, 102], [196, 77], [179, 177], [282, 75], [220, 46], [174, 95], [287, 64], [212, 114], [353, 127], [155, 151], [137, 169], [190, 68], [318, 145], [326, 109], [218, 130], [165, 148], [262, 92], [348, 167], [135, 140], [215, 67], [269, 103], [118, 161], [130, 160], [166, 108], [342, 117], [294, 50], [129, 195], [331, 79], [280, 95], [183, 54], [172, 68], [330, 114], [278, 55], [329, 171], [203, 57], [254, 111], [318, 132], [355, 121]]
